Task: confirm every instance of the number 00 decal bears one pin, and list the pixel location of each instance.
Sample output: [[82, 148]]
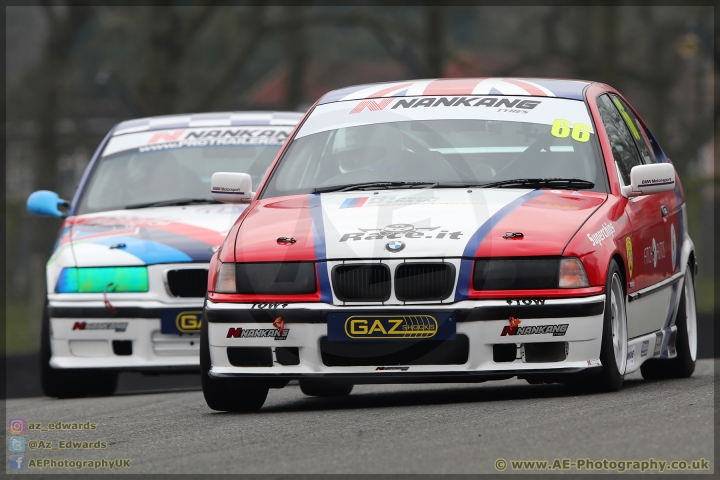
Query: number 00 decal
[[562, 129]]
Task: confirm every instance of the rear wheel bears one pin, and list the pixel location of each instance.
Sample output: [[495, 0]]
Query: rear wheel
[[683, 365], [320, 387], [66, 383], [227, 394]]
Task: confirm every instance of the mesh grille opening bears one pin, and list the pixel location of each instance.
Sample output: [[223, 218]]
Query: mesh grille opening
[[250, 356], [383, 353], [362, 283], [190, 282], [424, 281]]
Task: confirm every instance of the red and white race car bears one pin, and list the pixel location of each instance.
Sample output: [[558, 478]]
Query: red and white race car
[[453, 230]]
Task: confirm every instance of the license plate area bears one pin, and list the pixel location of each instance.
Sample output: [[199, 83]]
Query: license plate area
[[178, 321], [362, 326]]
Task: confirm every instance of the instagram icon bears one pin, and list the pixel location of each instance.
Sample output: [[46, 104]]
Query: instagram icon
[[17, 426]]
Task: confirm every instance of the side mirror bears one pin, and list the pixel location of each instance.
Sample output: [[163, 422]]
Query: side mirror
[[46, 203], [229, 187], [650, 179]]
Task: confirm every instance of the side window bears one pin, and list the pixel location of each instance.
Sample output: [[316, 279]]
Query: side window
[[623, 148], [636, 128]]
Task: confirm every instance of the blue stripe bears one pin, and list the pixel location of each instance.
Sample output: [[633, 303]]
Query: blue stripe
[[466, 264], [149, 251], [318, 231], [347, 203]]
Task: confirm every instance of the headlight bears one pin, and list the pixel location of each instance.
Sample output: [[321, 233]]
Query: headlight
[[267, 278], [100, 279], [572, 274], [528, 274]]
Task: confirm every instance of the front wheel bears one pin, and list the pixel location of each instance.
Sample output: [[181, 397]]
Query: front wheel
[[683, 365], [227, 394], [613, 349]]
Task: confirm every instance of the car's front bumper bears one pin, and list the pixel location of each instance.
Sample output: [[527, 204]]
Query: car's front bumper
[[86, 333], [481, 321]]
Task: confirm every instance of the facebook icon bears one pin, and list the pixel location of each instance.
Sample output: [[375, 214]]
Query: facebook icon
[[17, 462]]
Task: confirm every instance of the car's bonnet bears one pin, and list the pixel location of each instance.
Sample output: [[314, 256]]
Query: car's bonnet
[[148, 236], [414, 224]]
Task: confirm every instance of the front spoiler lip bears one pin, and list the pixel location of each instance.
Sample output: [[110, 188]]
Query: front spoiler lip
[[159, 369], [412, 377]]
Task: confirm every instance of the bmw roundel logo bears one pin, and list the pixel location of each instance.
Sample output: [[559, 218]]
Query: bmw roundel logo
[[394, 246]]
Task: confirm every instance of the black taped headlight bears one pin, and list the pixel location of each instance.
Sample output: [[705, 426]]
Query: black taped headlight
[[516, 273], [289, 278]]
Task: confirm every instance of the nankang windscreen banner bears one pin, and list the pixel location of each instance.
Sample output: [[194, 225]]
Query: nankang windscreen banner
[[157, 140], [540, 110]]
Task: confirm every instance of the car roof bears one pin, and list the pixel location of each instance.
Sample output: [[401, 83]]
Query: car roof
[[543, 87], [215, 119]]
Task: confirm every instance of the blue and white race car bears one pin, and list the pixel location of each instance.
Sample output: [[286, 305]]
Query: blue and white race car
[[128, 275]]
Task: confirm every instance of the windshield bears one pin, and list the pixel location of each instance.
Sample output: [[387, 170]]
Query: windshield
[[169, 167], [450, 141]]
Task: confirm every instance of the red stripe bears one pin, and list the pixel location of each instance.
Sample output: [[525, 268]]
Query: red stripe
[[528, 87], [452, 86], [361, 202], [387, 90]]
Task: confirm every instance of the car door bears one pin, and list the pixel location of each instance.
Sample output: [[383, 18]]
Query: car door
[[664, 255], [648, 240]]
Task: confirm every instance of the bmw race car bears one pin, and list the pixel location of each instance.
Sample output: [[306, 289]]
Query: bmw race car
[[453, 230], [128, 275]]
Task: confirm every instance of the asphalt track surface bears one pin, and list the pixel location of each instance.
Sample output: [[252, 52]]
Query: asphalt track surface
[[439, 428]]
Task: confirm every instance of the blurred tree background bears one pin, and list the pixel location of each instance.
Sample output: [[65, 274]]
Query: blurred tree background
[[74, 70]]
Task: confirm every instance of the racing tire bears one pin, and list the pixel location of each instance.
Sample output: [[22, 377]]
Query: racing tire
[[319, 387], [683, 365], [613, 349], [227, 394], [73, 383]]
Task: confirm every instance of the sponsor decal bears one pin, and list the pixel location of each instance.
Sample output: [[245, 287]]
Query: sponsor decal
[[226, 190], [189, 322], [673, 246], [654, 252], [415, 326], [506, 105], [165, 137], [658, 343], [594, 363], [372, 105], [396, 231], [262, 306], [279, 323], [654, 182], [607, 231], [394, 246], [514, 329], [631, 356], [534, 301], [215, 137], [401, 369], [357, 202], [117, 326], [279, 332], [644, 348], [360, 326], [628, 250]]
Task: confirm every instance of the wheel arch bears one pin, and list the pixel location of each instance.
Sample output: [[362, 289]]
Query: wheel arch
[[623, 269]]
